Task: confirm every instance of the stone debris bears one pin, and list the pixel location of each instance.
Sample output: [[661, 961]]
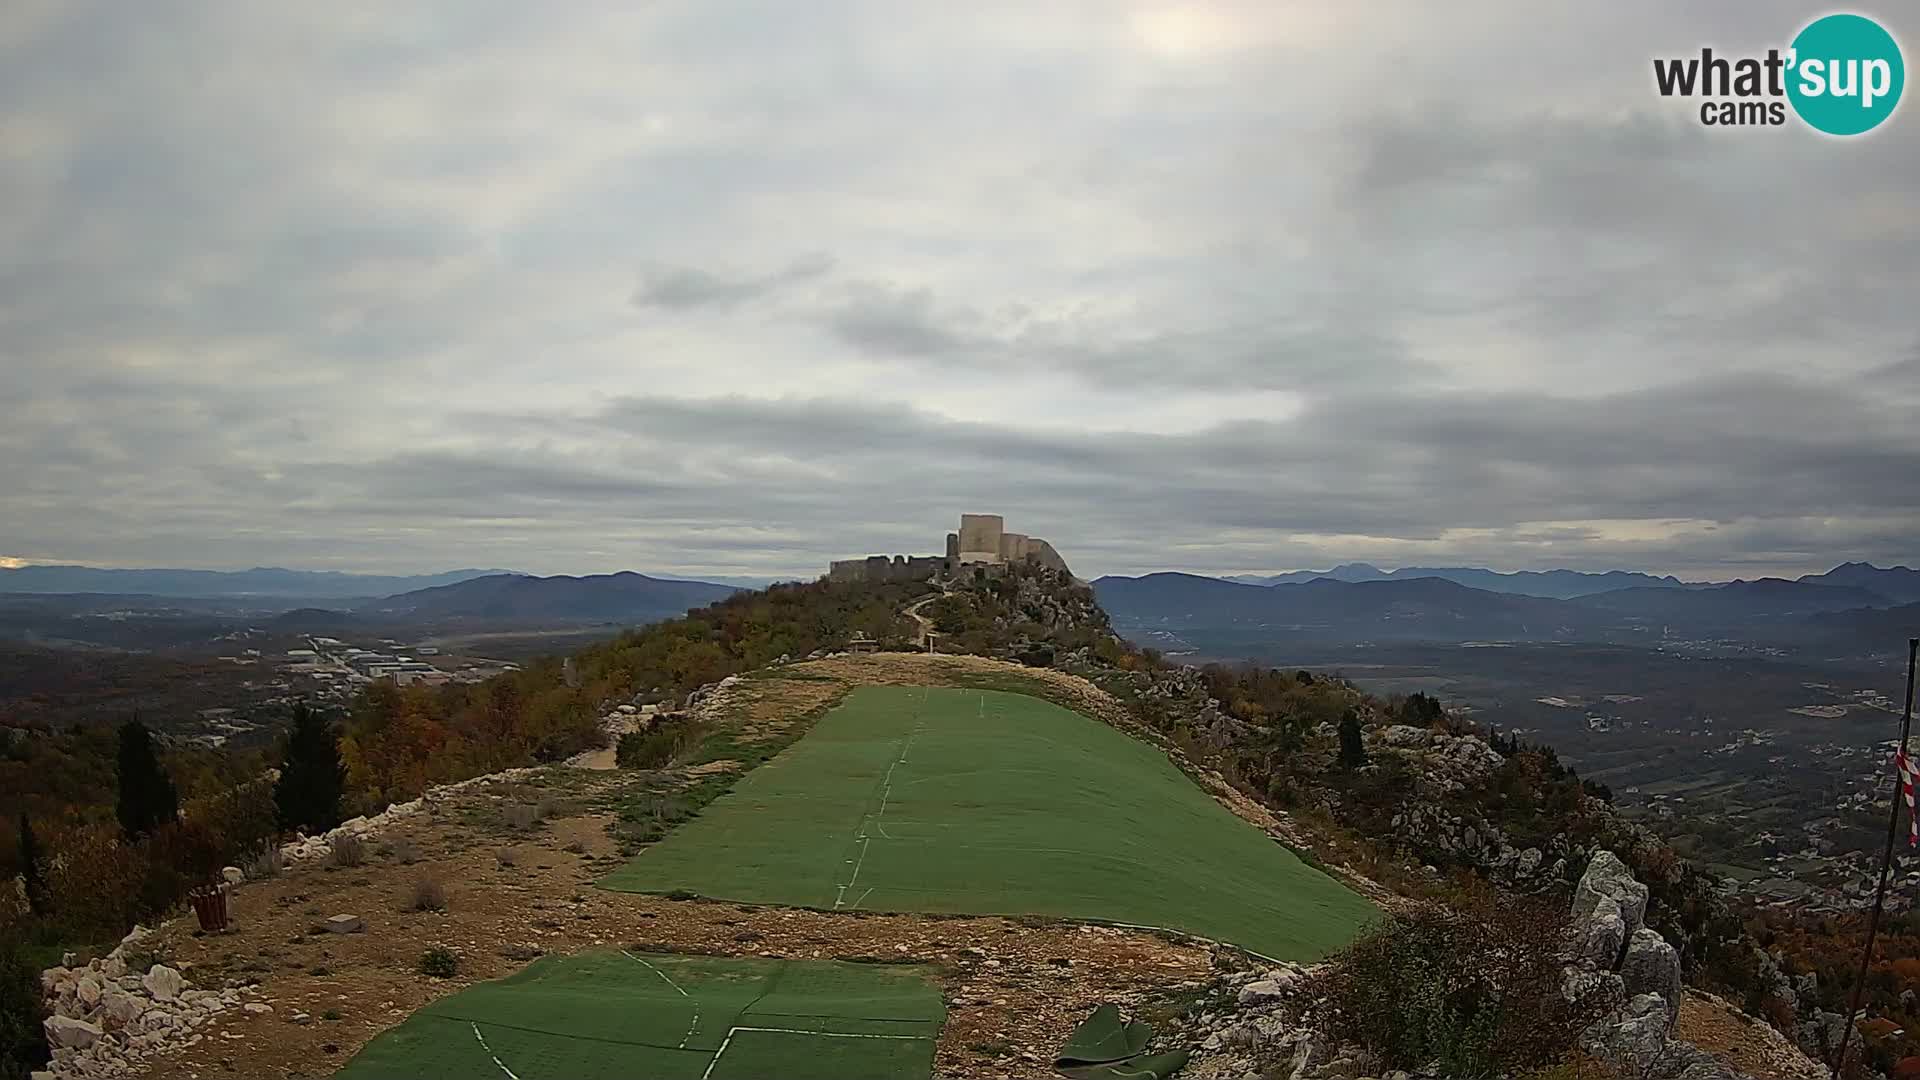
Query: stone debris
[[345, 924], [105, 1019]]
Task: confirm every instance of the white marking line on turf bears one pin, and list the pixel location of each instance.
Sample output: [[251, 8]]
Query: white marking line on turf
[[731, 1032], [864, 842], [688, 1037], [886, 793], [496, 1058], [864, 895]]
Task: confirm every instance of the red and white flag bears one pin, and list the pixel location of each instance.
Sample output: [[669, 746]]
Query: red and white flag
[[1909, 772]]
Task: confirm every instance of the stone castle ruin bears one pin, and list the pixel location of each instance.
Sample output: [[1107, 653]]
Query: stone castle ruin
[[983, 544]]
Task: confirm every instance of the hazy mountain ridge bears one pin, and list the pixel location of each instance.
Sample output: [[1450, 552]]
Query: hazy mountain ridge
[[258, 581], [1900, 584], [1436, 609], [625, 595], [1428, 608], [1550, 584], [1891, 585]]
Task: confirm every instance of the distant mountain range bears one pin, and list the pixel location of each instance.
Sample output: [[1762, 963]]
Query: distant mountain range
[[1433, 607], [1897, 583], [622, 596], [1553, 584], [261, 581], [1425, 608]]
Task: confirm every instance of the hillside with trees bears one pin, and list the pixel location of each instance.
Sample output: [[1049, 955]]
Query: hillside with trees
[[1415, 799]]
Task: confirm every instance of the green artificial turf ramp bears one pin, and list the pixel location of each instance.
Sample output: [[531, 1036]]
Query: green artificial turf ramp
[[639, 1016], [980, 802]]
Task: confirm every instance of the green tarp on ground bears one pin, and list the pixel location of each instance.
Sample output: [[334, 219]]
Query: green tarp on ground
[[640, 1016], [1106, 1047], [979, 802]]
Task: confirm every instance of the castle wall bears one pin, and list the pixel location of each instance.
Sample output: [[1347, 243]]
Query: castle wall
[[882, 568], [982, 543], [1043, 553]]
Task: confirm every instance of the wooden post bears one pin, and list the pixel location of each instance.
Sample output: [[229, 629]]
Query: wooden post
[[1886, 868]]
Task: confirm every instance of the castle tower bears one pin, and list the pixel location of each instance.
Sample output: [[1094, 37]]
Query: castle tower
[[980, 537]]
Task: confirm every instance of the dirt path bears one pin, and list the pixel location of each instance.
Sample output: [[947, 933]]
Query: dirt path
[[607, 757], [912, 611]]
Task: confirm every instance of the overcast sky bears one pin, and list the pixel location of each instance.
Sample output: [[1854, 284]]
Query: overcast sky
[[724, 287]]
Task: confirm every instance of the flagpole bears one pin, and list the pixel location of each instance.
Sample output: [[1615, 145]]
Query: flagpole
[[1886, 867]]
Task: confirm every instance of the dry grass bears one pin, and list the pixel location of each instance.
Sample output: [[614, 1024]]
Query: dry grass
[[347, 851], [429, 895]]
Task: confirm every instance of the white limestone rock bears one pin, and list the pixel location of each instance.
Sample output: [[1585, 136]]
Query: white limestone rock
[[65, 1031], [163, 982], [1652, 966], [1602, 934], [120, 1009], [1608, 878]]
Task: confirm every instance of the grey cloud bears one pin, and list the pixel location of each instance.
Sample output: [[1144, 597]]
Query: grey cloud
[[684, 288], [902, 323], [358, 288]]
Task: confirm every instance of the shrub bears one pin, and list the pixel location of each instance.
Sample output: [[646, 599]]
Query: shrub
[[429, 895], [404, 852], [1479, 991], [508, 858], [179, 856], [23, 1042], [658, 748], [439, 962], [520, 815], [266, 864], [240, 818], [94, 881], [348, 851]]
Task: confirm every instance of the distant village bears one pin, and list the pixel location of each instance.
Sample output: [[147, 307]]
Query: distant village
[[1810, 835], [327, 671]]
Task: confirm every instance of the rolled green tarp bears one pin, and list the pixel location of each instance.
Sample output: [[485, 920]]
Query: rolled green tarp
[[1107, 1047]]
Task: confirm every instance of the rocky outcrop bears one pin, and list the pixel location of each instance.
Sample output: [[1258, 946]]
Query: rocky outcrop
[[1613, 950], [105, 1019], [1608, 880], [1652, 966]]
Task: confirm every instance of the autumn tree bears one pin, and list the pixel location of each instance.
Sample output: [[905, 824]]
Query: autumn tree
[[312, 777], [147, 799]]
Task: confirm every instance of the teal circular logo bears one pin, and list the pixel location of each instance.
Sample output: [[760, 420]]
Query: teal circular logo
[[1846, 74]]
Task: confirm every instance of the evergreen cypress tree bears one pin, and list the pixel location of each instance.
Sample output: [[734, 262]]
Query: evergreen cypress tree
[[147, 798], [31, 871], [312, 778], [1353, 752]]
